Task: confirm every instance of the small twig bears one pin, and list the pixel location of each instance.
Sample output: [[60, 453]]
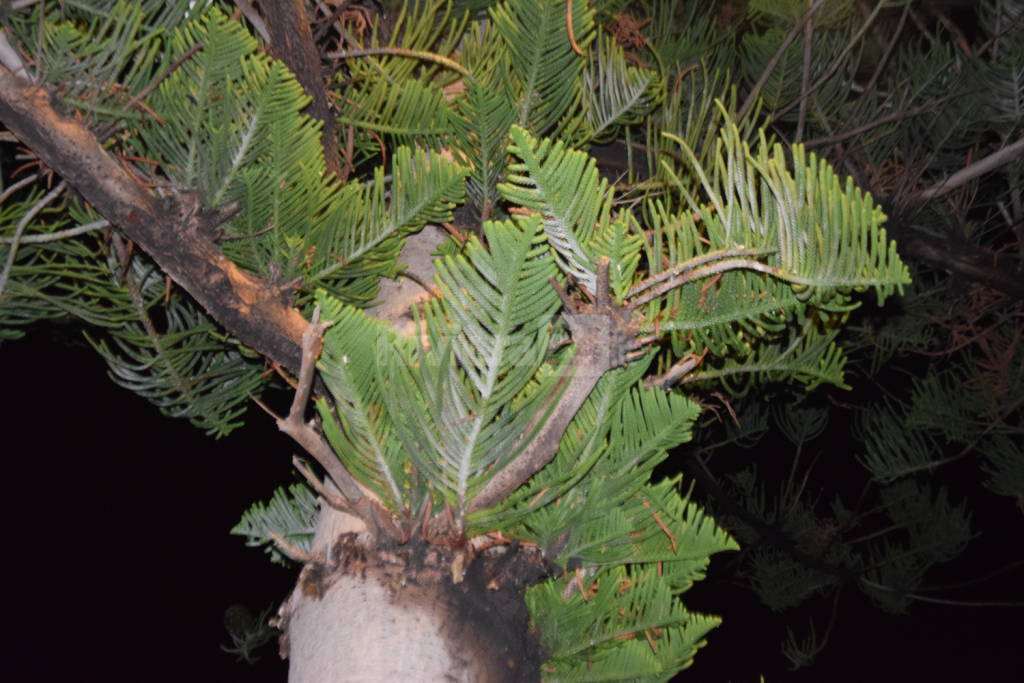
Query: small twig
[[22, 224], [232, 238], [10, 58], [774, 61], [805, 79], [246, 8], [420, 281], [318, 486], [329, 20], [402, 52], [679, 370], [59, 235], [14, 187], [836, 63], [290, 550], [571, 30], [891, 118], [109, 129], [883, 62], [664, 528], [303, 432], [973, 170]]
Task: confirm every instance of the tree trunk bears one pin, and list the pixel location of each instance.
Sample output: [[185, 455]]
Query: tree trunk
[[407, 613]]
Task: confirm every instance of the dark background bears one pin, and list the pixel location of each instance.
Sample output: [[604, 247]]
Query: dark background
[[120, 566]]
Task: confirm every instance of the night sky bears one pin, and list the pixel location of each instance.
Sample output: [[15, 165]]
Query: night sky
[[120, 564]]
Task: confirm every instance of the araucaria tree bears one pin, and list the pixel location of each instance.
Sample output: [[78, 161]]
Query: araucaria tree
[[217, 191]]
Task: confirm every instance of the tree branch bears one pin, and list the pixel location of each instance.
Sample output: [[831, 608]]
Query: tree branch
[[291, 41], [602, 337], [306, 435], [963, 259], [175, 231], [972, 171]]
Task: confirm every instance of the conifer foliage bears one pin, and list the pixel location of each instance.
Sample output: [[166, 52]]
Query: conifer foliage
[[574, 321]]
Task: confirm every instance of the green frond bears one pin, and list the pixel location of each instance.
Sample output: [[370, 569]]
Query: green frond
[[936, 529], [411, 112], [826, 236], [781, 582], [1004, 464], [932, 530], [692, 113], [543, 66], [801, 651], [352, 367], [361, 233], [214, 108], [488, 336], [86, 48], [800, 424], [401, 96], [481, 137], [630, 626], [55, 278], [622, 243], [186, 369], [808, 354], [290, 515], [251, 145], [563, 185], [893, 449], [607, 520], [614, 92], [681, 34], [945, 402]]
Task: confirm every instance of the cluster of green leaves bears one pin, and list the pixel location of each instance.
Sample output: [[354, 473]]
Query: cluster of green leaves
[[944, 361], [425, 425]]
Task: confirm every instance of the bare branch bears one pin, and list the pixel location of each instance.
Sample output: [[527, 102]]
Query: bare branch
[[318, 486], [357, 501], [774, 61], [290, 551], [972, 171], [693, 263], [303, 432]]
